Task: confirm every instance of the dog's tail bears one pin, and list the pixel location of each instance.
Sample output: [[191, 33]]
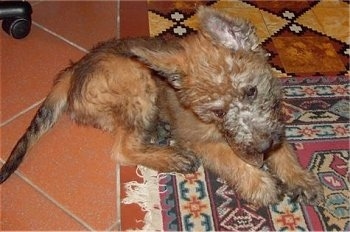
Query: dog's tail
[[44, 119]]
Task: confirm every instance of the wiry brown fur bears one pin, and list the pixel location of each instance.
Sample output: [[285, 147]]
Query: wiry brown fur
[[214, 88]]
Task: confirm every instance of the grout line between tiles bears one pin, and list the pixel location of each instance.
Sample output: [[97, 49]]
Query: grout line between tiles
[[118, 20], [22, 112], [113, 227], [60, 37], [55, 202]]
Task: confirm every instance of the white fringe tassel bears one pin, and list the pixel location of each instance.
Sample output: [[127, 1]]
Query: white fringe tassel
[[146, 195]]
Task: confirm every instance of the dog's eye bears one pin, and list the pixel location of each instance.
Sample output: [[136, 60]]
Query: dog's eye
[[219, 113], [251, 92]]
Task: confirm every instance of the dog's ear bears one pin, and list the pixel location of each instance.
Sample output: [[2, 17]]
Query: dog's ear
[[231, 32], [168, 61]]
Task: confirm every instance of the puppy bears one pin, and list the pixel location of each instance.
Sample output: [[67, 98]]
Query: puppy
[[216, 91]]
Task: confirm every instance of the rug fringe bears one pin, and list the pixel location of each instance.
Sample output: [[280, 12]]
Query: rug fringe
[[146, 195]]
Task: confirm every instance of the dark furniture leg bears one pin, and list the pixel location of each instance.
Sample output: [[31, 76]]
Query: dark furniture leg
[[16, 16]]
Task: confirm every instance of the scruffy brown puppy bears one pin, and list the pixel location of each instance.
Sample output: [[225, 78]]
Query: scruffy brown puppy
[[216, 91]]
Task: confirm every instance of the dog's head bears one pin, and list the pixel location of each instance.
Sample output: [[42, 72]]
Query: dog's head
[[222, 75]]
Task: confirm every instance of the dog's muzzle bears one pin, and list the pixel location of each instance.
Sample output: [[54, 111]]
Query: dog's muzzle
[[250, 155], [256, 153], [256, 160]]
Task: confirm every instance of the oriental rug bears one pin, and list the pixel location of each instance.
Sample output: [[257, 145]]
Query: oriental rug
[[316, 110]]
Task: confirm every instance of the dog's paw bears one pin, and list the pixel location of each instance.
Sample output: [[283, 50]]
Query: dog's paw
[[281, 189], [262, 190], [312, 196], [185, 161], [309, 192]]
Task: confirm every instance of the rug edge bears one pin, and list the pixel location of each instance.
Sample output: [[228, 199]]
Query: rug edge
[[146, 196]]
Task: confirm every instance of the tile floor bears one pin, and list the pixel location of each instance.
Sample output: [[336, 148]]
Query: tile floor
[[68, 181]]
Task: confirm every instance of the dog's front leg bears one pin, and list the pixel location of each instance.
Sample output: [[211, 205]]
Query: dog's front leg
[[301, 184], [131, 149], [253, 184]]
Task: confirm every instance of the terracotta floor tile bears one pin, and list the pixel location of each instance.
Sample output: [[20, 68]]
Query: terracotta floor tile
[[73, 165], [24, 208], [114, 227], [31, 66], [82, 22], [131, 217], [133, 19]]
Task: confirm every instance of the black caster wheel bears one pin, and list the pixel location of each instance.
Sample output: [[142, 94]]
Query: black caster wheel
[[18, 28], [16, 16]]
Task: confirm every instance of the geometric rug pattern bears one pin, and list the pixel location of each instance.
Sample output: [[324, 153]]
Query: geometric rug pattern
[[299, 44]]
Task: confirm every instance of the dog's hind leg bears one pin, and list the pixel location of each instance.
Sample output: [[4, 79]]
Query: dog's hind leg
[[301, 184], [131, 149]]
